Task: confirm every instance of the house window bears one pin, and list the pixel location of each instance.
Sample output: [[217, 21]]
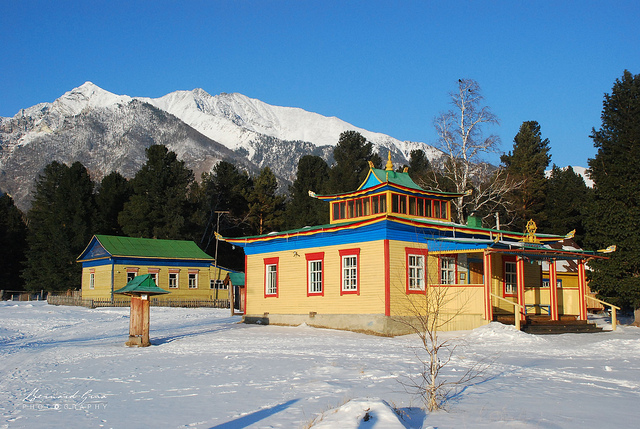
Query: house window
[[448, 268], [416, 269], [399, 203], [315, 264], [545, 282], [350, 209], [271, 277], [359, 207], [217, 284], [92, 280], [412, 206], [193, 280], [131, 274], [173, 280], [510, 277], [428, 208], [154, 276], [375, 204], [349, 273]]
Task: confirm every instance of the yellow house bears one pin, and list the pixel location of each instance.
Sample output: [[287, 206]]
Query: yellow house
[[180, 267], [390, 251]]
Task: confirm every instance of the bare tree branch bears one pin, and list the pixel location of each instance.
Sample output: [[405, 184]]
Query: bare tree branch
[[463, 143]]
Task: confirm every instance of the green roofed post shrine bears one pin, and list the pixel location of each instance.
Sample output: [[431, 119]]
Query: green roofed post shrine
[[140, 288]]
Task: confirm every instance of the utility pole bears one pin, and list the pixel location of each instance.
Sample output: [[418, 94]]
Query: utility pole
[[218, 212]]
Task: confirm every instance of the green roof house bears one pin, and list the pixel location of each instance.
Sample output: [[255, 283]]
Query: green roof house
[[110, 262]]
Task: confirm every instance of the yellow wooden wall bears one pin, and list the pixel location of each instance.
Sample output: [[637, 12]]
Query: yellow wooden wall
[[102, 283], [458, 301], [292, 282]]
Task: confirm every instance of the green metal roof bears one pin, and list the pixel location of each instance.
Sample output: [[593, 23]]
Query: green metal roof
[[237, 279], [396, 177], [151, 248], [141, 284]]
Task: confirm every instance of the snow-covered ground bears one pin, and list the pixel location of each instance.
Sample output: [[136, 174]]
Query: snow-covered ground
[[67, 367]]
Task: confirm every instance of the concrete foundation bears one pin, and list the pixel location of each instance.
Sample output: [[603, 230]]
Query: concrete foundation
[[376, 324]]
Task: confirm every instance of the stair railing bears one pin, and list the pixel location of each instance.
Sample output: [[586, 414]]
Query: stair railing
[[614, 316], [516, 314]]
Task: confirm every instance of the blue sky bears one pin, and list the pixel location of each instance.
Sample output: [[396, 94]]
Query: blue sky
[[385, 66]]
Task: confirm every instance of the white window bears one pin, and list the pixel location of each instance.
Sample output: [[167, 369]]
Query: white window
[[173, 280], [315, 277], [349, 273], [447, 270], [154, 276], [271, 277], [416, 272], [193, 280], [131, 275], [510, 278], [217, 284], [92, 280]]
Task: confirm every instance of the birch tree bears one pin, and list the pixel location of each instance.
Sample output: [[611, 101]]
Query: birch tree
[[461, 139]]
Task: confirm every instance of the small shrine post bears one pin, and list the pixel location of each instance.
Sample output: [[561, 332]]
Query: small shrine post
[[140, 288]]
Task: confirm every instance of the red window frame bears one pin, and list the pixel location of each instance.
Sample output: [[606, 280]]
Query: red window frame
[[346, 253], [454, 256], [267, 262], [313, 257], [505, 260], [412, 251]]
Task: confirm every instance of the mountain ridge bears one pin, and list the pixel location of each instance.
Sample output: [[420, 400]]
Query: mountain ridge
[[107, 132]]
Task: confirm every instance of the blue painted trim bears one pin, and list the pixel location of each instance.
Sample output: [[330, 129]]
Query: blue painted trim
[[147, 262], [384, 230]]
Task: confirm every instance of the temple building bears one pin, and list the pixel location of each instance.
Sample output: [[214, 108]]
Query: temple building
[[389, 246]]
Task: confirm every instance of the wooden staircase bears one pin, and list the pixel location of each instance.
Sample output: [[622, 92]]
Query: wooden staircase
[[543, 325]]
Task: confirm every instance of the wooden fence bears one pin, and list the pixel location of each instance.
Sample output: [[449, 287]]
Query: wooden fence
[[155, 302]]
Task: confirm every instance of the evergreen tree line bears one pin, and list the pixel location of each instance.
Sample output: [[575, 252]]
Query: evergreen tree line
[[164, 200]]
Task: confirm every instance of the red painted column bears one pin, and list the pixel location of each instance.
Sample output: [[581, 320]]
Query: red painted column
[[387, 280], [553, 290], [246, 284], [520, 284], [582, 290], [488, 304]]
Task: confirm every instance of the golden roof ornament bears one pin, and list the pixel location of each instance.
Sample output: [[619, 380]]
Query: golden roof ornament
[[531, 232], [389, 166]]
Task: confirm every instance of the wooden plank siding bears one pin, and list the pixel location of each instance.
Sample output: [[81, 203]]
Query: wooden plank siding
[[463, 303], [102, 281], [292, 297]]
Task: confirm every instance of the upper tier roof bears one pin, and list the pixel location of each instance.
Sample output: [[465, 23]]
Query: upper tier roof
[[380, 180]]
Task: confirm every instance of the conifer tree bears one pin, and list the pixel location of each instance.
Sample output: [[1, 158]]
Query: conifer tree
[[565, 204], [352, 155], [111, 197], [614, 214], [13, 244], [159, 206], [223, 207], [60, 226], [265, 206], [303, 210], [419, 165], [527, 164]]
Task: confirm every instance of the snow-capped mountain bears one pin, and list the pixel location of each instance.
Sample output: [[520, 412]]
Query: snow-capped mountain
[[580, 171], [109, 132], [236, 120]]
